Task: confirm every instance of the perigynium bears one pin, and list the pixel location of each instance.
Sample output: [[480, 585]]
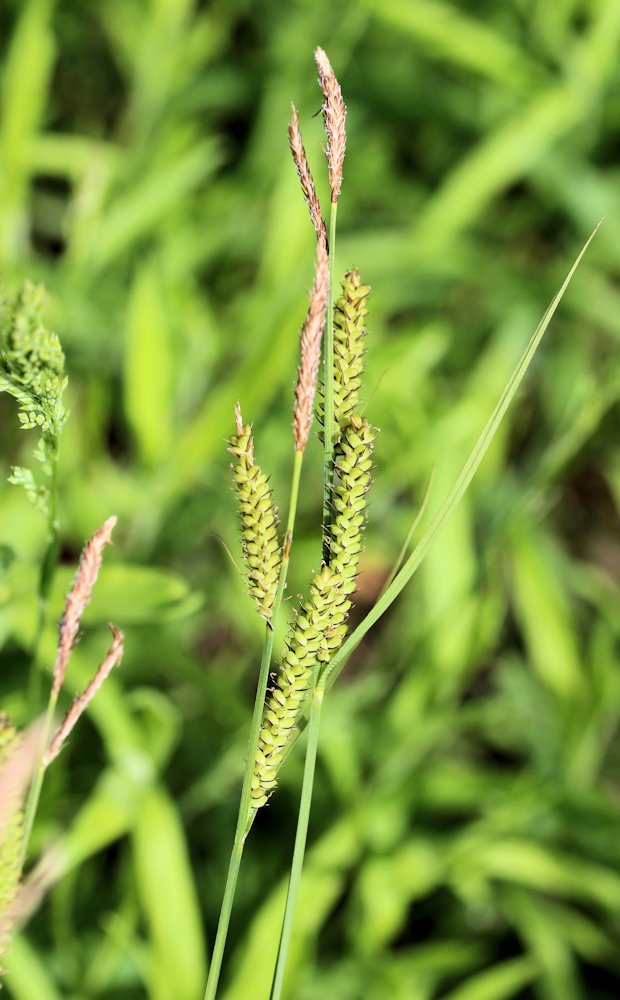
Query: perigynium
[[259, 520]]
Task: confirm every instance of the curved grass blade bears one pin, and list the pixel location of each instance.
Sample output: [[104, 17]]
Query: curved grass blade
[[457, 492]]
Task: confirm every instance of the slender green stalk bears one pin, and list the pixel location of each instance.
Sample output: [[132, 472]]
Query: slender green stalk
[[328, 386], [414, 524], [46, 579], [34, 792], [300, 838], [246, 813]]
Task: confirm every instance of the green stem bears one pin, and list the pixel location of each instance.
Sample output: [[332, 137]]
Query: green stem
[[46, 579], [34, 792], [246, 813], [328, 389], [300, 839]]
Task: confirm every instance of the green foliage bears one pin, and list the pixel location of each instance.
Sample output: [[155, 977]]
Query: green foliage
[[32, 370], [467, 773]]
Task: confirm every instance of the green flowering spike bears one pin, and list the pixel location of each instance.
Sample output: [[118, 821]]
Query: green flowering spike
[[259, 521], [11, 843], [353, 465], [32, 370], [350, 313], [317, 632]]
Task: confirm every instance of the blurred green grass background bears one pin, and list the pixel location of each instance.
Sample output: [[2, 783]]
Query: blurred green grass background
[[464, 839]]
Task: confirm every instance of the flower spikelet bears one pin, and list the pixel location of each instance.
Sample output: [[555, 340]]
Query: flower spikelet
[[78, 598], [80, 703], [334, 116], [350, 312], [311, 336], [11, 837], [305, 174], [32, 371], [259, 520], [317, 632]]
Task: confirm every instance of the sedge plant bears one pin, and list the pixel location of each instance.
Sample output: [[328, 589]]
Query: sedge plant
[[316, 647]]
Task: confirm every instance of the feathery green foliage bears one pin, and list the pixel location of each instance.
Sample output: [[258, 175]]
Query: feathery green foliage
[[32, 370]]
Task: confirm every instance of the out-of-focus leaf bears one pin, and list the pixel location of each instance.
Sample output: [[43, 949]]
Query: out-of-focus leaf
[[543, 611], [28, 974], [148, 366], [500, 982], [129, 594], [167, 892]]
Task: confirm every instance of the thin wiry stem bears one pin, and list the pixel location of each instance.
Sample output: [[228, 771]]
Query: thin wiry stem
[[46, 579], [301, 837], [81, 702], [328, 389], [77, 599], [246, 814]]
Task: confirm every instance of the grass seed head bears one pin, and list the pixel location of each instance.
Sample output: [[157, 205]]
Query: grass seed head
[[334, 117], [317, 632], [350, 311], [259, 520], [80, 703], [311, 337], [79, 597], [305, 174]]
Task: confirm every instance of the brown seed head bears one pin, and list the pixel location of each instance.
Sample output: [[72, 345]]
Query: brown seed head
[[112, 658], [304, 173], [311, 335], [78, 598], [334, 116]]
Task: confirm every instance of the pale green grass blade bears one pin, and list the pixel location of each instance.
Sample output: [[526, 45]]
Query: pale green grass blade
[[28, 976], [148, 366], [154, 198], [498, 983], [446, 31], [544, 937], [544, 614], [467, 474], [501, 158], [25, 80], [167, 892], [526, 863], [412, 530]]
